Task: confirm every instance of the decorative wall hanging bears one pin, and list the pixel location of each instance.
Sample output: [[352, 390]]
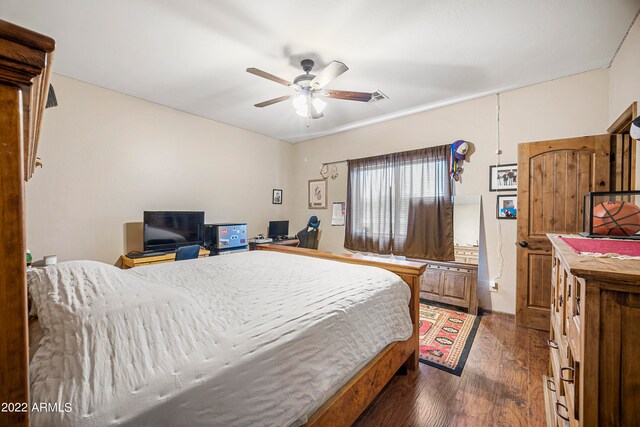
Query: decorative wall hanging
[[317, 194], [503, 177], [277, 197], [459, 151], [338, 214], [326, 171], [507, 206]]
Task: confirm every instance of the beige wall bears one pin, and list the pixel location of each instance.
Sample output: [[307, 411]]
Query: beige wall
[[572, 106], [108, 157], [624, 81]]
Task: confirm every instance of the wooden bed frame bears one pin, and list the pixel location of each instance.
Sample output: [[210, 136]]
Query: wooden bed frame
[[25, 71], [344, 407]]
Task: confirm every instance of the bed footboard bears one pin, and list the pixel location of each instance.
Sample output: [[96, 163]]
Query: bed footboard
[[344, 407]]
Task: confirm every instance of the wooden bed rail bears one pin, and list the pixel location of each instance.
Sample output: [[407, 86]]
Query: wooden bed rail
[[343, 408]]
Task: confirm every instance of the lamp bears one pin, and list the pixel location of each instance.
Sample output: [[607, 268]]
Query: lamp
[[301, 104]]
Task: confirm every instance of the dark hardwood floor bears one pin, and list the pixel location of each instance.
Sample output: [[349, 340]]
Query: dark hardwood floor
[[501, 384]]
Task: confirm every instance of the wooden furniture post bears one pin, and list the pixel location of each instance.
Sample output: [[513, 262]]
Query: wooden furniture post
[[24, 80], [13, 298]]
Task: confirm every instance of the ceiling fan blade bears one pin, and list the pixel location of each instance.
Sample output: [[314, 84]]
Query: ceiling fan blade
[[272, 101], [348, 95], [271, 77], [327, 75]]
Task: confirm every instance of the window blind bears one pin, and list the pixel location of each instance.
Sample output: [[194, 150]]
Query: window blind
[[400, 203]]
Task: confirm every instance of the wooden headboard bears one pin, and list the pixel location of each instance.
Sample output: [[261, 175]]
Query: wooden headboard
[[25, 71]]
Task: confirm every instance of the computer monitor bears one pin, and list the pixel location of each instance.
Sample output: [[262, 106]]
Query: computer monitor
[[278, 229]]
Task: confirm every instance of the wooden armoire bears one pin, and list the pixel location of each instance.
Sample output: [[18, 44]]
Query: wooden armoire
[[25, 70]]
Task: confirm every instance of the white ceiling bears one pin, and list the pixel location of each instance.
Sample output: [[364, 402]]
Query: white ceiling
[[192, 54]]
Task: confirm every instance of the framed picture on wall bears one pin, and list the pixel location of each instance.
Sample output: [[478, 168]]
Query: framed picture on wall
[[503, 177], [317, 194], [507, 206], [277, 197]]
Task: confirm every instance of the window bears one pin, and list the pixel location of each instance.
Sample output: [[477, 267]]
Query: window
[[401, 203]]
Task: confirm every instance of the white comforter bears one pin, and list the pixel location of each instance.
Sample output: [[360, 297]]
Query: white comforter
[[257, 338]]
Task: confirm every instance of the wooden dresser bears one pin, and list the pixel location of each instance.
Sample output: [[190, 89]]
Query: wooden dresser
[[454, 283], [594, 344]]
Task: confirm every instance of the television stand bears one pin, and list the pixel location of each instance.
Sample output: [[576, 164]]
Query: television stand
[[136, 254], [128, 262]]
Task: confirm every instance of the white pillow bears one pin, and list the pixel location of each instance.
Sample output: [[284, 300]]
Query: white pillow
[[72, 288]]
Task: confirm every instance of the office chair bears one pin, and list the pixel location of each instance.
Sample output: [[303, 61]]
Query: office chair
[[309, 236], [188, 252]]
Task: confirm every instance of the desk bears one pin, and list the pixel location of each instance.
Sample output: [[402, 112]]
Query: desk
[[137, 262], [288, 242]]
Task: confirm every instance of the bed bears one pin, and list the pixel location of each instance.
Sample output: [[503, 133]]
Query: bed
[[258, 338], [25, 68]]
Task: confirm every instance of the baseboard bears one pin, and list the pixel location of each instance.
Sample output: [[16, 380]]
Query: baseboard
[[502, 313]]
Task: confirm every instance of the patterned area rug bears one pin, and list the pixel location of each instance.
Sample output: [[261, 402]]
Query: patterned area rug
[[446, 337]]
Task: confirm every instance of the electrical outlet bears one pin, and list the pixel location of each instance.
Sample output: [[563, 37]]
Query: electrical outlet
[[493, 286]]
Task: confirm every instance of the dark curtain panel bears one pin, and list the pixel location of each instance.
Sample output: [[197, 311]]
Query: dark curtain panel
[[369, 199], [401, 203]]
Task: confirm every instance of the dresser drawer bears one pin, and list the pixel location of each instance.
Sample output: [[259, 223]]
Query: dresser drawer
[[560, 301], [554, 404], [550, 400], [562, 415], [554, 353], [573, 335]]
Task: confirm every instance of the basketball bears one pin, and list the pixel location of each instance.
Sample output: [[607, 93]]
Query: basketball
[[616, 219]]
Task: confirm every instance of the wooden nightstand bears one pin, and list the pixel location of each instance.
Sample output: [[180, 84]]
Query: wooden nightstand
[[137, 262]]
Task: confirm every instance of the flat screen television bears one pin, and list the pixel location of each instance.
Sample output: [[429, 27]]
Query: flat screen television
[[169, 230], [278, 229]]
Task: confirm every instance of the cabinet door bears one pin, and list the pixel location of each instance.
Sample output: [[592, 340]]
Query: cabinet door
[[430, 283], [455, 288]]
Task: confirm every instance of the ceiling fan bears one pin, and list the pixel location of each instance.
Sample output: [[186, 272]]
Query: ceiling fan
[[311, 88]]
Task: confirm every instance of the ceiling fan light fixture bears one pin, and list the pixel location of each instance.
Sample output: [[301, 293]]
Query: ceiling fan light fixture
[[319, 104], [302, 112], [300, 102]]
